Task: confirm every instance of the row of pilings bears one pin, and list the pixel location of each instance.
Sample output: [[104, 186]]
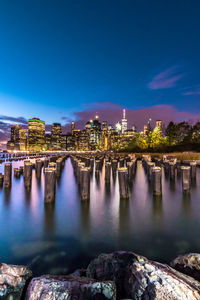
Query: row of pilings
[[51, 165], [85, 164], [172, 169]]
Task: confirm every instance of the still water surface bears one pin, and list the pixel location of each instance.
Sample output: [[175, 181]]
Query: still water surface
[[61, 237]]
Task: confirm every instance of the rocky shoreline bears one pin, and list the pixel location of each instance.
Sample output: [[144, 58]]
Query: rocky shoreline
[[119, 275]]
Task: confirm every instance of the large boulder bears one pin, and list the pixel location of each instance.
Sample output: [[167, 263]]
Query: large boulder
[[188, 264], [13, 280], [114, 266], [139, 278], [69, 287]]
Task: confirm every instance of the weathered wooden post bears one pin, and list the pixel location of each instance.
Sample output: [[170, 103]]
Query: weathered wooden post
[[38, 167], [1, 179], [157, 180], [107, 172], [27, 174], [185, 171], [16, 172], [58, 167], [114, 165], [150, 166], [7, 174], [50, 185], [172, 167], [97, 165], [193, 166], [46, 163], [123, 183], [85, 184]]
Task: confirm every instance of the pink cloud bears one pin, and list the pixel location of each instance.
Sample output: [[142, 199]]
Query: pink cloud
[[165, 79], [113, 113]]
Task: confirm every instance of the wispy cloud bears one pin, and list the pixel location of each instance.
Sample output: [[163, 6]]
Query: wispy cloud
[[166, 79], [9, 119], [194, 91]]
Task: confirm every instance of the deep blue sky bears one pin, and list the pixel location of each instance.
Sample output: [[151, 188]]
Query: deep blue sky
[[59, 57]]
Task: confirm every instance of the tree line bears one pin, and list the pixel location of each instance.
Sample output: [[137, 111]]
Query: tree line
[[175, 137]]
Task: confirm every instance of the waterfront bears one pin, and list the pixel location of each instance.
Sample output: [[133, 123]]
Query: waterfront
[[57, 238]]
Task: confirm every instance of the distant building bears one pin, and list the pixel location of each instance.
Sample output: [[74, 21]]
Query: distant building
[[63, 142], [47, 141], [95, 133], [18, 139], [36, 134], [118, 127], [72, 127], [70, 142], [22, 139], [124, 122], [146, 129], [56, 137]]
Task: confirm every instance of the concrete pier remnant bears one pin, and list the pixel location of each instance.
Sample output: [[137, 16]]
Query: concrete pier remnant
[[50, 185]]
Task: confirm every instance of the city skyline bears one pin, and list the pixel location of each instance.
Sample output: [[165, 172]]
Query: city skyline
[[81, 58]]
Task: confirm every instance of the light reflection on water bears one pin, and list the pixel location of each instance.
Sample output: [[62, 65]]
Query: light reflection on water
[[65, 235]]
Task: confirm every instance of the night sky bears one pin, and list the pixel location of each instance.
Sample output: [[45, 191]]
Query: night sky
[[66, 60]]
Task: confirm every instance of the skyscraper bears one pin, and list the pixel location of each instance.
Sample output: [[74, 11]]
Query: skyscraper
[[36, 134], [124, 121], [95, 133], [56, 136]]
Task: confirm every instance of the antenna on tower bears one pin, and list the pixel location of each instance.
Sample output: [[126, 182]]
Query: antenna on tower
[[124, 114]]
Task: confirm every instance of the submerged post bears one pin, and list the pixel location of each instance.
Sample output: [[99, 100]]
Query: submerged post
[[85, 183], [185, 171], [123, 183], [38, 167], [157, 180], [1, 179], [172, 170], [193, 166], [7, 174], [50, 185], [107, 172], [27, 174]]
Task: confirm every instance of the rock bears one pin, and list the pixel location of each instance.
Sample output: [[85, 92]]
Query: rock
[[154, 281], [13, 280], [115, 267], [136, 277], [188, 264], [80, 272], [69, 287]]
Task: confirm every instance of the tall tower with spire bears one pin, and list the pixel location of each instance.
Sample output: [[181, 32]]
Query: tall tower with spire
[[124, 121]]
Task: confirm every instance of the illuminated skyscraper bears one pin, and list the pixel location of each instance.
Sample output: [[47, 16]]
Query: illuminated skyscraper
[[18, 139], [95, 133], [124, 121], [22, 139], [56, 136], [36, 134], [15, 133], [118, 127]]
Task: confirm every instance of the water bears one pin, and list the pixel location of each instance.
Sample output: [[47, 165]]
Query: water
[[61, 237]]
